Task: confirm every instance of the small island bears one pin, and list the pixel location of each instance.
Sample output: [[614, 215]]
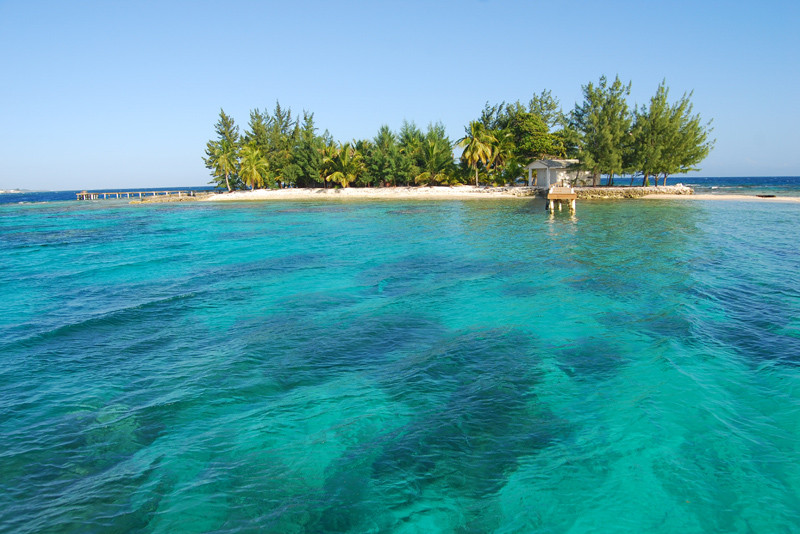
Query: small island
[[603, 140]]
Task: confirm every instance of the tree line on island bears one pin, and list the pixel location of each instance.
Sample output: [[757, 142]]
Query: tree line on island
[[605, 135]]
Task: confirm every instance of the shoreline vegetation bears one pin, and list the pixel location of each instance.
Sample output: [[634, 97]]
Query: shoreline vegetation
[[602, 136]]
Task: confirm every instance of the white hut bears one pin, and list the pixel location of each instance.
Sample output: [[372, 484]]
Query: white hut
[[553, 171]]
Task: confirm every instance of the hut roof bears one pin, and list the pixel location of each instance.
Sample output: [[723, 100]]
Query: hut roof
[[551, 163]]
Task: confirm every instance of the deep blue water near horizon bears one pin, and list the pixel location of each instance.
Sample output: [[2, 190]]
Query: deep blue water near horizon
[[774, 185], [726, 185], [458, 366], [25, 197]]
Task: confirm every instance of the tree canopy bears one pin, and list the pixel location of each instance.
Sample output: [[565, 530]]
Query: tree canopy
[[605, 134]]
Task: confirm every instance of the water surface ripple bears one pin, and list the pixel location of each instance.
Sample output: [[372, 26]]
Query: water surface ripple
[[460, 366]]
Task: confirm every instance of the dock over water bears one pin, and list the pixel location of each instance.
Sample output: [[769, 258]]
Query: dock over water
[[97, 195], [561, 193]]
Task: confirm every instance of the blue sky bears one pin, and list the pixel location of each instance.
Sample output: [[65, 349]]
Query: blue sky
[[125, 94]]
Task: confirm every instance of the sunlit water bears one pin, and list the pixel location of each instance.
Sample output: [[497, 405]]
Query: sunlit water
[[460, 366]]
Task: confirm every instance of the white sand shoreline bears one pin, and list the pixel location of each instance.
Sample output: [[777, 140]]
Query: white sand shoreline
[[434, 193], [676, 192], [372, 193]]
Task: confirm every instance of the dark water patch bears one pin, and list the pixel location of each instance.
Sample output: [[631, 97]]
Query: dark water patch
[[312, 208], [348, 503], [410, 274], [522, 290], [607, 283], [761, 329], [83, 462], [472, 445], [464, 357], [123, 502], [267, 266], [301, 304], [410, 210], [590, 359], [293, 354], [49, 238], [660, 319], [475, 396], [101, 328]]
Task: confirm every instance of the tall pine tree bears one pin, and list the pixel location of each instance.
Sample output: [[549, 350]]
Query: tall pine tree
[[603, 122], [222, 153]]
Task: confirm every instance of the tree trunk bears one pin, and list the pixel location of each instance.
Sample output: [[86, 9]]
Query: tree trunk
[[665, 180], [476, 176], [646, 180], [227, 182], [631, 181]]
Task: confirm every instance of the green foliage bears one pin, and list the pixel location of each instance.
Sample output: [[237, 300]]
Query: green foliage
[[547, 108], [275, 136], [517, 134], [668, 139], [502, 151], [603, 121], [343, 165], [409, 140], [566, 142], [477, 144], [253, 166], [656, 140], [529, 136], [256, 133], [363, 147], [690, 144], [222, 154], [436, 158], [305, 165], [383, 160], [651, 131], [281, 135]]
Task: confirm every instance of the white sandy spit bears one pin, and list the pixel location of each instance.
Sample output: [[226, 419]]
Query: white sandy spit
[[389, 193], [472, 192]]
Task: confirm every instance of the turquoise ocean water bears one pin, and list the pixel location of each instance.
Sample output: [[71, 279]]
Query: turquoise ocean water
[[455, 366]]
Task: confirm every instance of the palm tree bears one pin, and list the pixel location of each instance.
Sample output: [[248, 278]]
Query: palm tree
[[500, 152], [253, 167], [223, 159], [477, 146], [344, 165], [437, 161]]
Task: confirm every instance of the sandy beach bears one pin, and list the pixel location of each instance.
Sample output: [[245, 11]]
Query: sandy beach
[[374, 193], [466, 192], [457, 192]]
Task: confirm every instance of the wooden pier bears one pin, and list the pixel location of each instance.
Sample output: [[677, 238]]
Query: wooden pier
[[97, 195], [560, 194]]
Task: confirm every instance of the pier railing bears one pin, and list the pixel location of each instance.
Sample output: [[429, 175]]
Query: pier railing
[[97, 195]]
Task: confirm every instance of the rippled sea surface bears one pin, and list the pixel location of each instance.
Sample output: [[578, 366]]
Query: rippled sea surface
[[451, 366]]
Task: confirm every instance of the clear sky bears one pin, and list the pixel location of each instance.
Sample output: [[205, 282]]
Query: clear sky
[[106, 94]]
